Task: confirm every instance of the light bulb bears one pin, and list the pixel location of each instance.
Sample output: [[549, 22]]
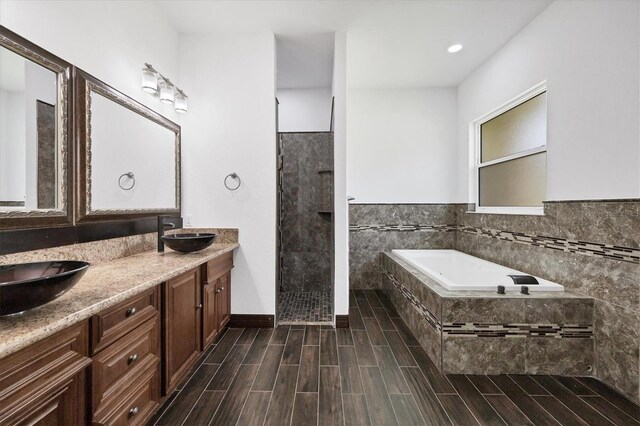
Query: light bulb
[[166, 93], [149, 81], [181, 102]]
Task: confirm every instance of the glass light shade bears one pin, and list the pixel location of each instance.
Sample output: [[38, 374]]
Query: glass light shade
[[181, 103], [166, 93], [149, 81]]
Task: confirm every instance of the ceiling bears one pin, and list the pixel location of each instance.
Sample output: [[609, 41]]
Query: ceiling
[[389, 43], [304, 60]]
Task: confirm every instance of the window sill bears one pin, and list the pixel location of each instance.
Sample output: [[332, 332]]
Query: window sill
[[523, 211]]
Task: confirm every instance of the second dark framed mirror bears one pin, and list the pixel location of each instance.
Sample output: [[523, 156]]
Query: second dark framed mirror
[[128, 155]]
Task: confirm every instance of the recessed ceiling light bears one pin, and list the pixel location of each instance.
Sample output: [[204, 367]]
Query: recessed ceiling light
[[454, 48]]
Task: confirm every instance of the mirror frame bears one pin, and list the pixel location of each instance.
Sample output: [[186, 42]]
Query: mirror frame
[[63, 215], [84, 86]]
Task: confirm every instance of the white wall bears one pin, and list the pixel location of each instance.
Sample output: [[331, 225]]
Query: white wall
[[230, 127], [402, 145], [304, 110], [341, 219], [588, 52], [109, 40]]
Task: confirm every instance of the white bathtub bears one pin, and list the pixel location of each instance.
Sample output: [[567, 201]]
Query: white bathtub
[[459, 271]]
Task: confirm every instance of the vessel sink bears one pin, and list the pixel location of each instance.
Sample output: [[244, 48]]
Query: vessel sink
[[187, 243], [29, 285]]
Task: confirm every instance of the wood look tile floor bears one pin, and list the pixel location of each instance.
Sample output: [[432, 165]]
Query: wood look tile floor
[[374, 373]]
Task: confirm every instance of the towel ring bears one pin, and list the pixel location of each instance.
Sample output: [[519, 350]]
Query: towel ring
[[233, 175], [130, 176]]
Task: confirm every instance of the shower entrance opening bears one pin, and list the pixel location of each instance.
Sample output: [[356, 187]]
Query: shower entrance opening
[[305, 228]]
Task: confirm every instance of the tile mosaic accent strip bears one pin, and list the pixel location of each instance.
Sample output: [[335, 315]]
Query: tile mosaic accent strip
[[558, 331], [474, 329], [432, 320], [411, 227], [607, 251], [624, 254]]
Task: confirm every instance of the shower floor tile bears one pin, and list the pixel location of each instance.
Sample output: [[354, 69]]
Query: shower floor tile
[[305, 307]]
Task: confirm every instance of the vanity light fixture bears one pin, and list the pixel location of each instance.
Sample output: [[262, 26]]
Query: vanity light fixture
[[166, 92], [454, 48], [181, 101], [149, 81], [158, 85]]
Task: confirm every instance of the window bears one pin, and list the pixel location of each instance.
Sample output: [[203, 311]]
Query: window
[[511, 155]]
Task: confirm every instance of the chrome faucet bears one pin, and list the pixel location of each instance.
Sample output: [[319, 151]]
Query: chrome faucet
[[161, 225]]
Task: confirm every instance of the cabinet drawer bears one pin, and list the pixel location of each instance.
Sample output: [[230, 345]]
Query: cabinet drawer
[[113, 323], [114, 366], [135, 404], [219, 266], [46, 380]]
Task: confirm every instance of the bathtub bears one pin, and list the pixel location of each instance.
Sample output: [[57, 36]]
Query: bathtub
[[459, 271]]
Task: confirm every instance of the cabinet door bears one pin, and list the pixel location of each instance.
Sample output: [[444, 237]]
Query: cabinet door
[[46, 383], [182, 319], [209, 317], [61, 403], [223, 299]]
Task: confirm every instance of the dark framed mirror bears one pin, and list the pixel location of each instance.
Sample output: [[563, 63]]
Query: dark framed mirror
[[36, 170], [128, 155]]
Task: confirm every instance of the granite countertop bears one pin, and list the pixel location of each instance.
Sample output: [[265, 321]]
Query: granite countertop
[[103, 286]]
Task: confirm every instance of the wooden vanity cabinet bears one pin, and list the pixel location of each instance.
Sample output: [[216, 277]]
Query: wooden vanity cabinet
[[182, 318], [126, 361], [223, 300], [217, 296], [46, 383]]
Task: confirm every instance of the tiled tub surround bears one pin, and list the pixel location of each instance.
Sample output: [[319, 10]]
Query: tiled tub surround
[[486, 333], [576, 244], [305, 233], [375, 228], [106, 282]]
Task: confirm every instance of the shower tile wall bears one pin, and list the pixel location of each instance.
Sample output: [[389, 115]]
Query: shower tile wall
[[591, 247], [305, 233]]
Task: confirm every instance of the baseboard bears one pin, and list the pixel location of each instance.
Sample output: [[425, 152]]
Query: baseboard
[[342, 321], [251, 321]]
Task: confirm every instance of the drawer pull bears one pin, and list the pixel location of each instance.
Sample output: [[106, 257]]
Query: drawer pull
[[131, 311], [133, 358], [133, 411]]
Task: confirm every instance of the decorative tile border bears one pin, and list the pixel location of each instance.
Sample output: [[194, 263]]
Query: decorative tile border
[[557, 331], [461, 329], [431, 319], [624, 254], [404, 227], [607, 251]]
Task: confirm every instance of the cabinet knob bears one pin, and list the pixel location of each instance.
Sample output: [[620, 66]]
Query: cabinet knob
[[133, 411], [221, 288], [131, 311], [218, 290], [133, 358], [199, 306]]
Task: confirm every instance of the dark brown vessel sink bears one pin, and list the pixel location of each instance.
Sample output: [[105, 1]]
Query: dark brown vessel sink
[[29, 285], [187, 243]]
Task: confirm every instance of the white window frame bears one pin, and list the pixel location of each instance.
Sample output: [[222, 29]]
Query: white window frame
[[477, 163]]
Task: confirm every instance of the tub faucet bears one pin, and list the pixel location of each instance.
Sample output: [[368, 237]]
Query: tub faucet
[[161, 225]]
